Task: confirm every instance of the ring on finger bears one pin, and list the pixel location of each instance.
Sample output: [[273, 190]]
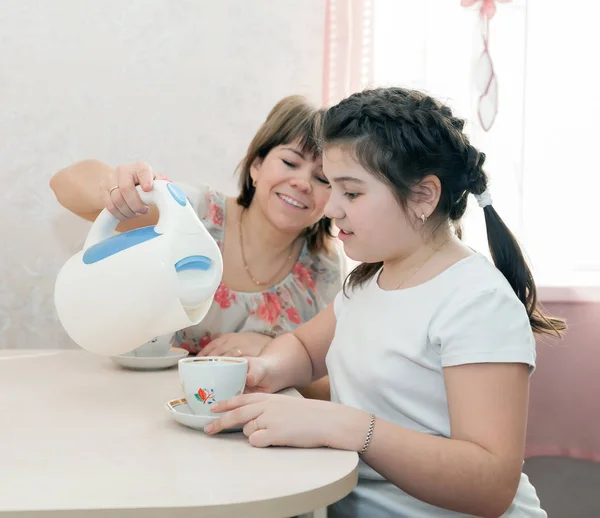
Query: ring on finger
[[257, 428], [112, 189]]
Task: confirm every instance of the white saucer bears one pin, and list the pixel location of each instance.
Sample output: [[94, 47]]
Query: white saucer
[[180, 411], [149, 363]]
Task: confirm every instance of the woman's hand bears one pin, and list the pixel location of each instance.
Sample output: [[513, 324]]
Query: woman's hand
[[119, 193], [277, 420], [236, 344]]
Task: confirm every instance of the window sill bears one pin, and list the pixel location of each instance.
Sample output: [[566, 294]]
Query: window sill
[[583, 286]]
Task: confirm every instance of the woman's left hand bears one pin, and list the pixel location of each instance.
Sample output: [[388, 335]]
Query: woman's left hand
[[277, 420], [236, 344]]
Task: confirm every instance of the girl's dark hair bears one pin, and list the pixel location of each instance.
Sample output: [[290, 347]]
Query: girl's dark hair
[[401, 136], [292, 119]]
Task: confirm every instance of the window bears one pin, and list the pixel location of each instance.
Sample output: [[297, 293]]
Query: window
[[540, 150]]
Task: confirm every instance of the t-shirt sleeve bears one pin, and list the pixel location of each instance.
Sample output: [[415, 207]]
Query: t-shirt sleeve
[[488, 327], [338, 304]]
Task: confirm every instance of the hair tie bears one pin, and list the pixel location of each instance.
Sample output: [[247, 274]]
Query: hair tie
[[484, 199]]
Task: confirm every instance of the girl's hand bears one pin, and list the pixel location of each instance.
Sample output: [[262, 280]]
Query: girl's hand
[[119, 192], [276, 420], [260, 377], [236, 344]]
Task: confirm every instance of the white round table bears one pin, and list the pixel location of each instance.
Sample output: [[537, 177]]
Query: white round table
[[79, 434]]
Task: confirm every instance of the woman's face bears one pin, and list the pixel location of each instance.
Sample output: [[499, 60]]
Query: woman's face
[[290, 187]]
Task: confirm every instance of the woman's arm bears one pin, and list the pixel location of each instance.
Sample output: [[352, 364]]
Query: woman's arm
[[477, 470], [319, 389], [77, 187], [83, 189]]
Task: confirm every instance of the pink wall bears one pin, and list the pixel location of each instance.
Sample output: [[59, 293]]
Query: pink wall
[[564, 410]]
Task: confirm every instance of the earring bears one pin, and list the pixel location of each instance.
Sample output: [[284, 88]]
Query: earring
[[423, 218], [253, 183]]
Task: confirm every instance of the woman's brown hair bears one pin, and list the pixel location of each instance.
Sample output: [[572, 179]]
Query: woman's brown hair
[[292, 119]]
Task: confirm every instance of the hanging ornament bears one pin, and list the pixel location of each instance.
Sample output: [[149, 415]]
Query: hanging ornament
[[486, 82]]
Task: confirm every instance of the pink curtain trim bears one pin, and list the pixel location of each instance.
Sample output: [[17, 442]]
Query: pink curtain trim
[[326, 50]]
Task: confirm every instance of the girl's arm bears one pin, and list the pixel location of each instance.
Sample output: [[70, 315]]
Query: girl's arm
[[328, 284], [298, 358], [477, 470]]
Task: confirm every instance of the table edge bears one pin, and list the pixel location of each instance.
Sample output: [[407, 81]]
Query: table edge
[[289, 505]]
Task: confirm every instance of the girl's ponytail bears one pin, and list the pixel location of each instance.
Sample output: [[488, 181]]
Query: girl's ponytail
[[508, 258]]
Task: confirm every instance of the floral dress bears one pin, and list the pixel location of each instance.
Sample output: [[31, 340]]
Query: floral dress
[[312, 284]]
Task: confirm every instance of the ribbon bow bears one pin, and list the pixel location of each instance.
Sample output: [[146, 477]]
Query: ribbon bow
[[487, 9]]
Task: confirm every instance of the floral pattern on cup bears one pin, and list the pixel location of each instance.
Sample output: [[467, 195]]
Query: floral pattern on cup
[[206, 396]]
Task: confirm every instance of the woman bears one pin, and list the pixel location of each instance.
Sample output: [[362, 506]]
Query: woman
[[280, 266]]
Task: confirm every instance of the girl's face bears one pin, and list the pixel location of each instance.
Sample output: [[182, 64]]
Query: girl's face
[[290, 187], [373, 225]]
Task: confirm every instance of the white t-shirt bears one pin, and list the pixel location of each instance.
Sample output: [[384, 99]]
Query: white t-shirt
[[387, 358]]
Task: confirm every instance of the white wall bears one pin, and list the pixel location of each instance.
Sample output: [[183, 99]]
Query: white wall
[[182, 84]]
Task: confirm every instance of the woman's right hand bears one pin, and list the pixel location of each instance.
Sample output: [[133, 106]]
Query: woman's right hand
[[119, 191]]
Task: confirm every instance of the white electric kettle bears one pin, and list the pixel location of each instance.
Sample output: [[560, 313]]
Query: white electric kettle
[[122, 290]]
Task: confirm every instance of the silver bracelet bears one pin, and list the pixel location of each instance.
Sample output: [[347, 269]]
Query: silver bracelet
[[369, 435]]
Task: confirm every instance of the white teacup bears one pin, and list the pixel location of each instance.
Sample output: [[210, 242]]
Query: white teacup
[[209, 379], [159, 346]]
